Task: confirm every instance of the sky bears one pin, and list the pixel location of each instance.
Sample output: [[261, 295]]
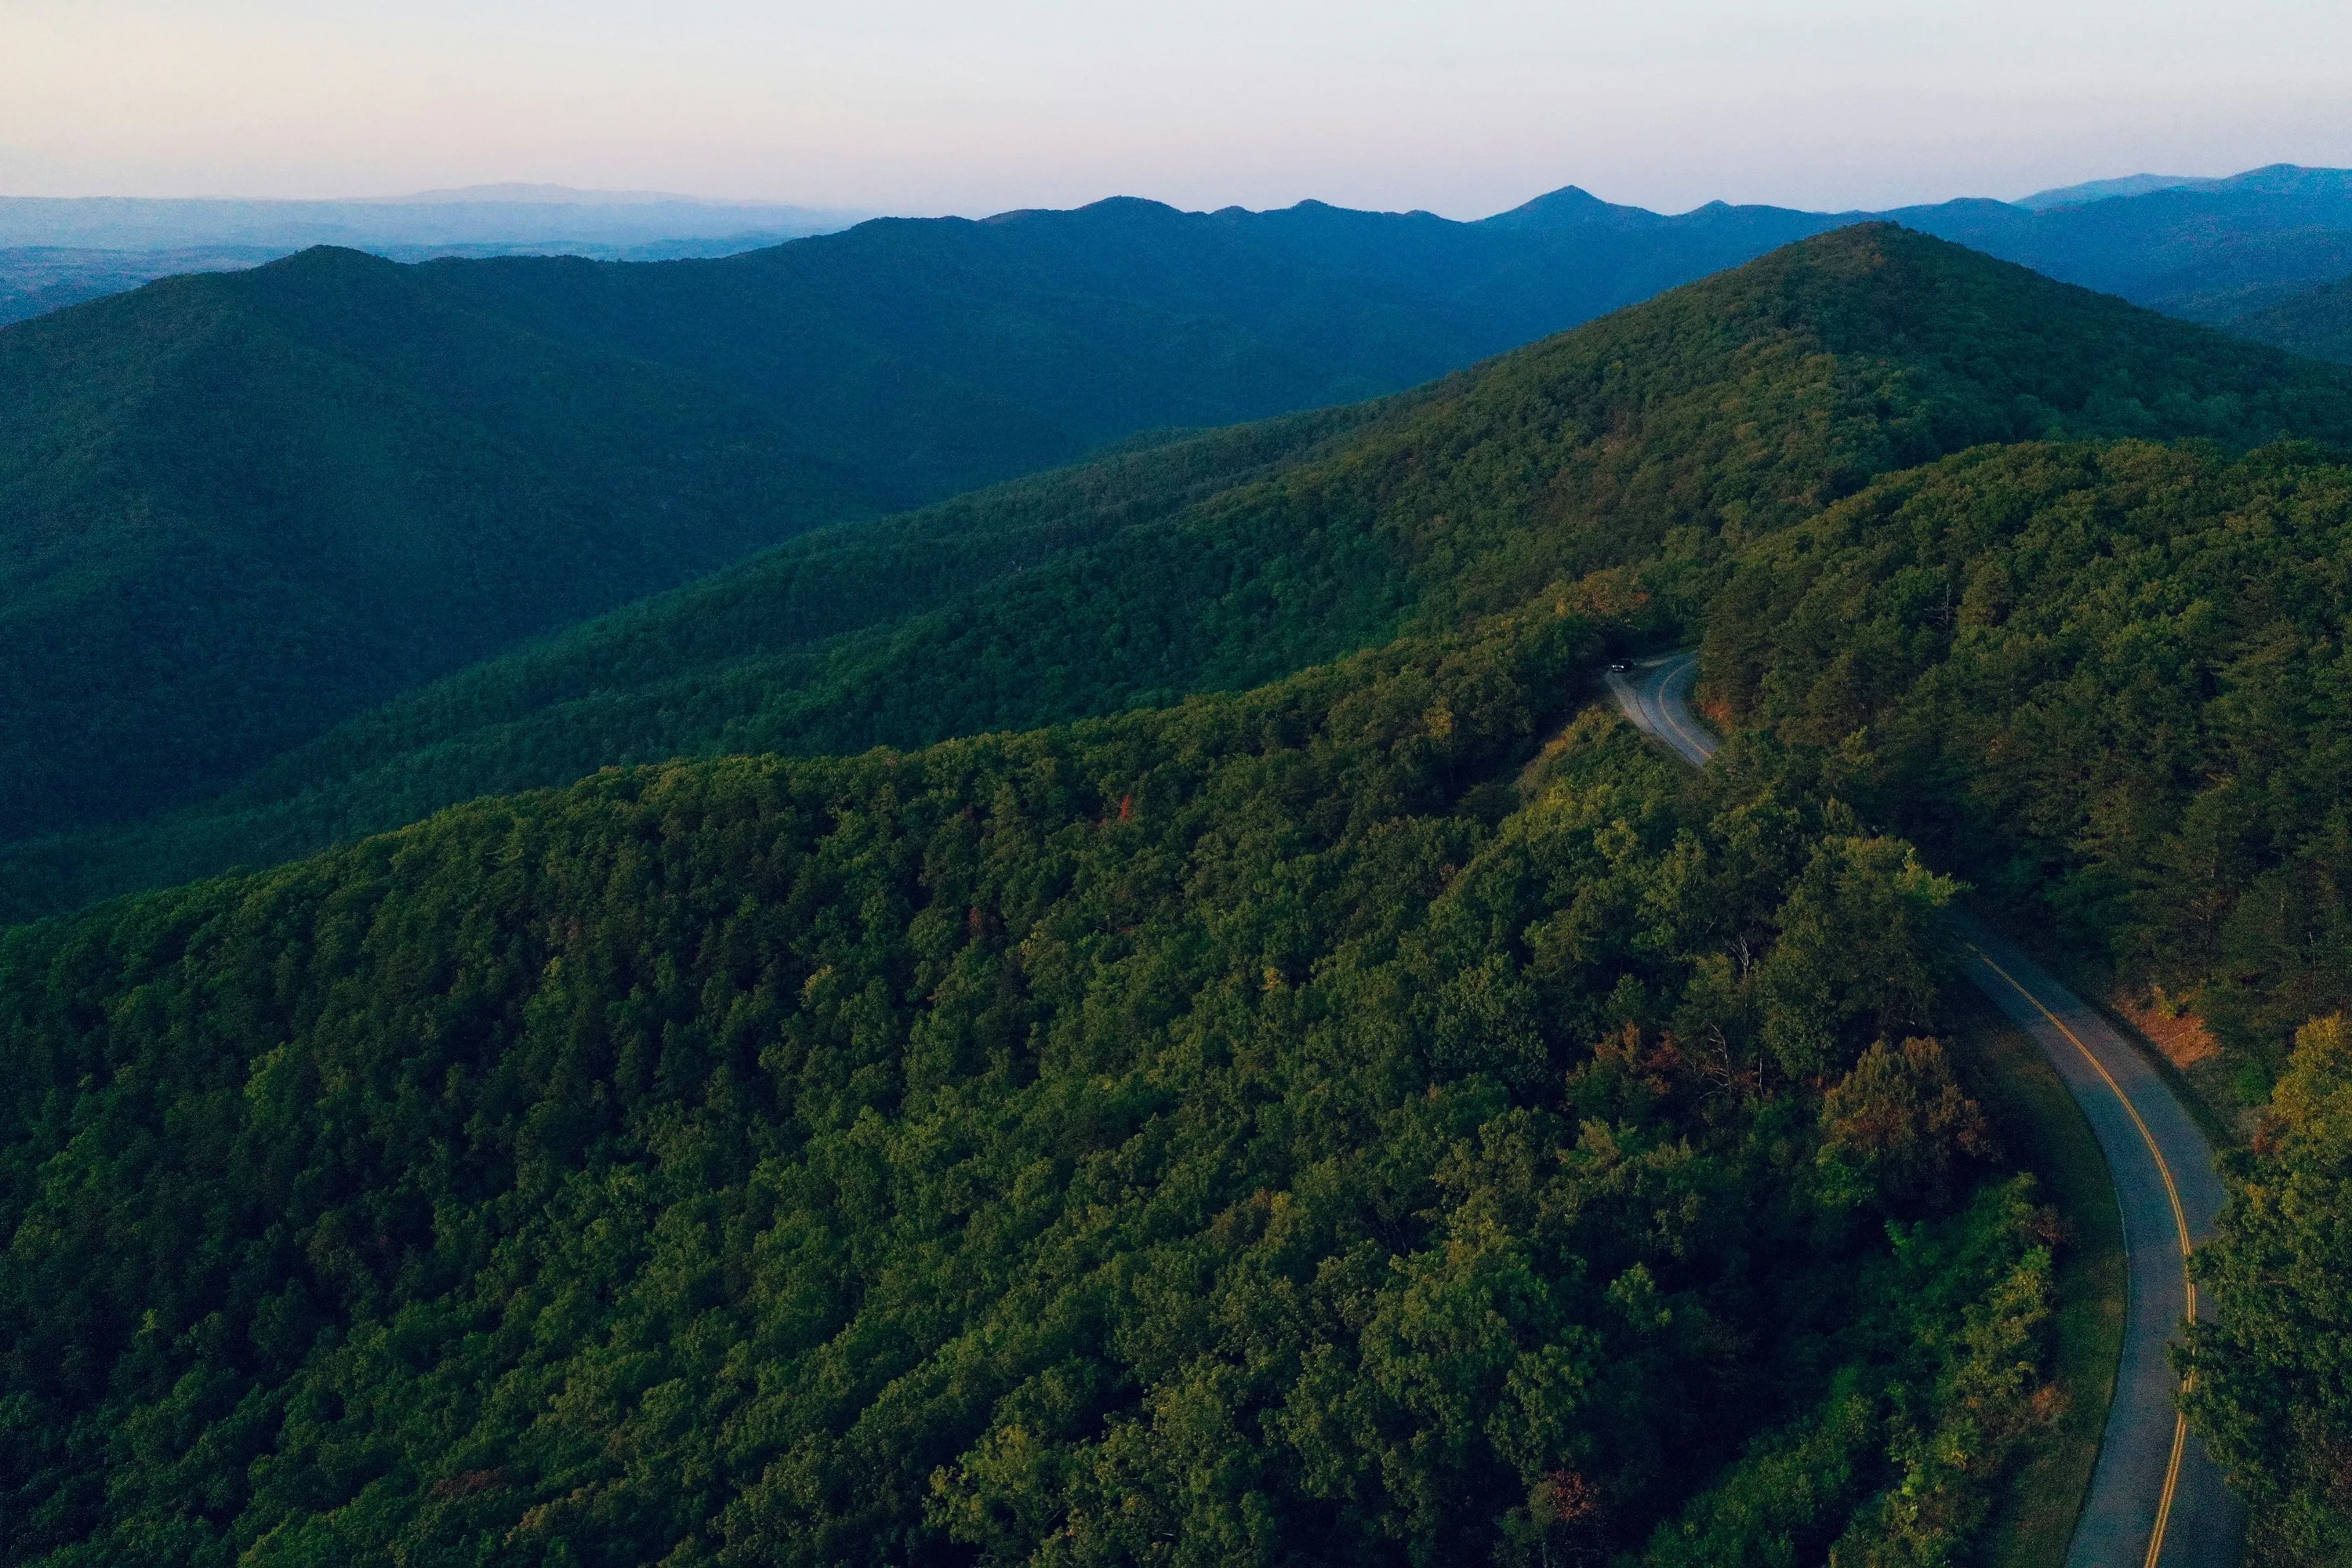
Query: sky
[[1463, 107]]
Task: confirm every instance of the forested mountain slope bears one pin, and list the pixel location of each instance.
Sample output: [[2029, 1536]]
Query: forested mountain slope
[[2111, 681], [946, 353], [2184, 250], [941, 353], [1253, 1131], [1665, 435], [2316, 322], [1279, 1108], [236, 507], [333, 480], [2111, 685]]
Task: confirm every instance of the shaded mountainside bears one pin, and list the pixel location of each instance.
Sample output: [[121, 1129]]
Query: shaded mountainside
[[1046, 325], [937, 354], [946, 353], [941, 354], [235, 509], [2178, 249], [2313, 321], [1672, 432]]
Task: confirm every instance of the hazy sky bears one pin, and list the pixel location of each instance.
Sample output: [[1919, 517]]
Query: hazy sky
[[977, 105]]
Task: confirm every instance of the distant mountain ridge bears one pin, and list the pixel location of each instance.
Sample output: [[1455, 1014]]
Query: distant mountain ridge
[[1021, 340], [1234, 558], [2156, 238], [2271, 179], [1308, 304], [2175, 249], [38, 279], [881, 368], [2102, 190], [61, 251]]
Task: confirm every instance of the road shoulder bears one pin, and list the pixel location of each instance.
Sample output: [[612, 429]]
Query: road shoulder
[[2154, 1498], [2043, 1129]]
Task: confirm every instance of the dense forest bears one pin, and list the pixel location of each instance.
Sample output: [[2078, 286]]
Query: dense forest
[[1660, 438], [2269, 1377], [2111, 681], [1141, 1016], [1258, 1130]]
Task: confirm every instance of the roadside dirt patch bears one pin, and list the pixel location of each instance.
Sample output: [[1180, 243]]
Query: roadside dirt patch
[[2168, 1022]]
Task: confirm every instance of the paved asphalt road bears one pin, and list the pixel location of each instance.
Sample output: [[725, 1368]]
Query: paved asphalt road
[[2156, 1500]]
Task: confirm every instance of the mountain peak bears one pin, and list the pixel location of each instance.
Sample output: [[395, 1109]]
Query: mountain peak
[[1131, 207], [1566, 207]]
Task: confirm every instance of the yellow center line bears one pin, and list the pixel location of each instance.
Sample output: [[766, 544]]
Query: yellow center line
[[2180, 1221], [1667, 712], [1666, 709], [2171, 1189]]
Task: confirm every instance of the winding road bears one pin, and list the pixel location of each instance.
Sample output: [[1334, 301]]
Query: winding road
[[2156, 1500]]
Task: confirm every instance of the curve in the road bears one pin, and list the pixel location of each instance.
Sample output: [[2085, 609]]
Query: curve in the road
[[2156, 1499]]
